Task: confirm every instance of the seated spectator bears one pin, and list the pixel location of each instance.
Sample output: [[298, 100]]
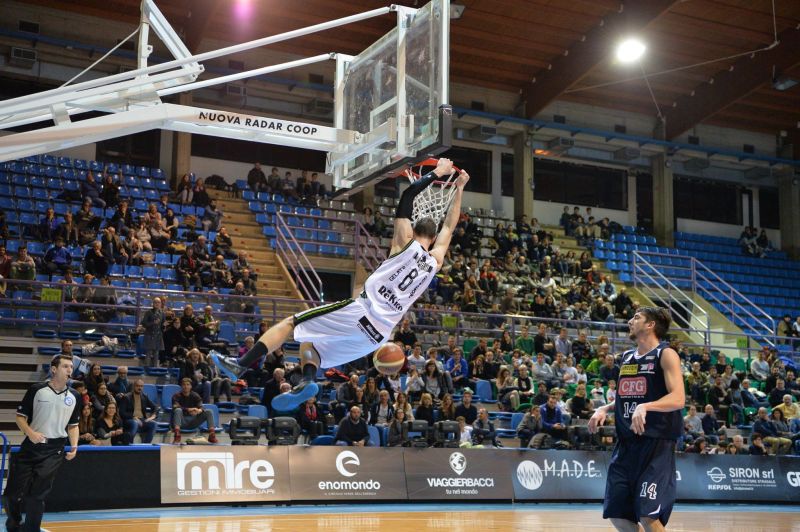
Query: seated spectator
[[698, 446], [94, 378], [110, 193], [240, 264], [597, 394], [310, 418], [188, 412], [775, 396], [710, 427], [483, 431], [176, 343], [138, 413], [120, 386], [395, 438], [57, 259], [542, 372], [524, 383], [316, 188], [382, 411], [256, 179], [434, 381], [757, 447], [530, 425], [790, 411], [48, 226], [581, 408], [458, 369], [197, 371], [609, 372], [552, 419], [735, 402], [274, 181], [220, 273], [122, 220], [466, 409], [465, 431], [272, 388], [113, 249], [223, 245], [101, 398], [425, 409], [201, 198], [5, 263], [447, 409], [353, 429], [23, 267], [288, 188], [693, 424], [212, 216], [188, 271], [91, 190], [109, 427], [86, 426], [95, 262], [777, 441], [507, 390], [184, 190], [401, 403]]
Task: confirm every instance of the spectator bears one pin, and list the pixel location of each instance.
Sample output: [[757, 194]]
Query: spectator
[[94, 262], [184, 191], [122, 220], [223, 244], [353, 430], [315, 187], [524, 341], [48, 226], [109, 426], [434, 380], [790, 411], [447, 408], [778, 442], [212, 216], [749, 398], [256, 179], [188, 412], [541, 396], [23, 268], [405, 334], [542, 372], [274, 181], [153, 341], [597, 394], [479, 350], [57, 259], [581, 408], [458, 369], [220, 273], [188, 271], [110, 193], [552, 420], [562, 342], [120, 386], [425, 409], [609, 372], [775, 396], [273, 386], [395, 438], [759, 368], [176, 344], [196, 369], [530, 425], [113, 250], [699, 446], [288, 186], [240, 264], [507, 390], [757, 447], [170, 223], [310, 418], [735, 402], [381, 412], [466, 409], [91, 190], [138, 413], [693, 424], [541, 339], [710, 426], [5, 263], [368, 221], [738, 442], [483, 430], [101, 398], [201, 198], [86, 426]]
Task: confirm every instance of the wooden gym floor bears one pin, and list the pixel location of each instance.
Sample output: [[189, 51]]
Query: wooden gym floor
[[416, 518]]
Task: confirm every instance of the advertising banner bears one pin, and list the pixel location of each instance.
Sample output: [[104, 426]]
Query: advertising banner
[[346, 473], [457, 474], [732, 478], [237, 473], [558, 475]]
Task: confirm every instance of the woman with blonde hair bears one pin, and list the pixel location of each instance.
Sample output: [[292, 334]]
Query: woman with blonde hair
[[507, 390]]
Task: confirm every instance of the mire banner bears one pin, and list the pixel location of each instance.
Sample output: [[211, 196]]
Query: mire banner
[[457, 474], [737, 478], [347, 473], [237, 473], [559, 475]]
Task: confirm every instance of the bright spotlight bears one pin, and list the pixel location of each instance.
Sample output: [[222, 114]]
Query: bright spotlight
[[630, 50]]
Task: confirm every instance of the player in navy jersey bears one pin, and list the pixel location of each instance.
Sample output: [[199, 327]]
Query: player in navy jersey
[[640, 487], [340, 332]]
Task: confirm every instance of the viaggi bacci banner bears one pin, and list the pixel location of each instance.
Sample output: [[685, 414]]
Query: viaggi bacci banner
[[455, 474], [559, 475], [346, 473], [224, 474]]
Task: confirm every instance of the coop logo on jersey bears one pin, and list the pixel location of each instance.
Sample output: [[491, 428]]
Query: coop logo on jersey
[[458, 463], [629, 369], [636, 387]]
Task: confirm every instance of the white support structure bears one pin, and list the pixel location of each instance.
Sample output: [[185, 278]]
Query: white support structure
[[134, 98]]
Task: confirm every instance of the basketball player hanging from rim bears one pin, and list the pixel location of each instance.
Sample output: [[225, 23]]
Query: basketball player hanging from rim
[[640, 487], [337, 333]]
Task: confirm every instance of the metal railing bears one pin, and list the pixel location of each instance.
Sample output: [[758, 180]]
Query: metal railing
[[646, 276], [367, 252], [707, 284], [293, 256]]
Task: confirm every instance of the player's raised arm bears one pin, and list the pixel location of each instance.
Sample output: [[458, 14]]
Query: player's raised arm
[[403, 231], [451, 220]]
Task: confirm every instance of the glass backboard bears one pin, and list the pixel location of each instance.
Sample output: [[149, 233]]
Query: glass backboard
[[395, 95]]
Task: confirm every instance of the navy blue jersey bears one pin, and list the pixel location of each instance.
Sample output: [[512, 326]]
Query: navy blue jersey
[[641, 380]]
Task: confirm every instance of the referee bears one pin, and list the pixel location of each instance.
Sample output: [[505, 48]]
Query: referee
[[48, 414]]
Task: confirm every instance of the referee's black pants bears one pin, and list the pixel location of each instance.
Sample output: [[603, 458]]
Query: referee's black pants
[[30, 479]]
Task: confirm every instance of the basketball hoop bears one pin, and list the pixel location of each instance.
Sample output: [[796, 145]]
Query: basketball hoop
[[434, 200]]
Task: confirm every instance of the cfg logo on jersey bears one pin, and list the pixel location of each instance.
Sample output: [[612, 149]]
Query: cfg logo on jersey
[[635, 387]]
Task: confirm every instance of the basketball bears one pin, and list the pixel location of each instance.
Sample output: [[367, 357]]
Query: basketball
[[389, 359]]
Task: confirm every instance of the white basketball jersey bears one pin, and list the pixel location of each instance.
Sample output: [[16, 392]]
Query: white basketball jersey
[[398, 282]]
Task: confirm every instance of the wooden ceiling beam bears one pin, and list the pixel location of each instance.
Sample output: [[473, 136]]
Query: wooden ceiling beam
[[748, 74], [197, 23], [588, 52]]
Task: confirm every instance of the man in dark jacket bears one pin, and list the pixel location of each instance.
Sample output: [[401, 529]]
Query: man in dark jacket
[[188, 412], [58, 258], [353, 430], [256, 179], [272, 388], [138, 413], [483, 432]]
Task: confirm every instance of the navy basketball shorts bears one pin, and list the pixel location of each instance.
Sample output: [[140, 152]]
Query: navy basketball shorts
[[641, 480]]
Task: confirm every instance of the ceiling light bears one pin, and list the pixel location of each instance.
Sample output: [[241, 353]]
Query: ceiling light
[[630, 50], [783, 83]]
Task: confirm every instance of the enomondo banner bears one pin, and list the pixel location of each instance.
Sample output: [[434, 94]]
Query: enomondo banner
[[236, 473]]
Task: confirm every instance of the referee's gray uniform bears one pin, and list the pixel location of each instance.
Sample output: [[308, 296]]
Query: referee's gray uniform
[[34, 467]]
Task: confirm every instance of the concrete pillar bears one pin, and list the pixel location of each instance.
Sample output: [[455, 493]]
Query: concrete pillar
[[789, 205], [497, 182], [523, 175], [633, 208], [663, 208], [182, 145]]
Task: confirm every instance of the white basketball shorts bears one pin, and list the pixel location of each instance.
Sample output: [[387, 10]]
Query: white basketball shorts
[[340, 332]]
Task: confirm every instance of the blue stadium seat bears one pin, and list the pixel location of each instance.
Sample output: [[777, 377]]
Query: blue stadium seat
[[166, 396]]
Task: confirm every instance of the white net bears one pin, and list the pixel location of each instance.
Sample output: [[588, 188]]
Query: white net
[[434, 200]]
